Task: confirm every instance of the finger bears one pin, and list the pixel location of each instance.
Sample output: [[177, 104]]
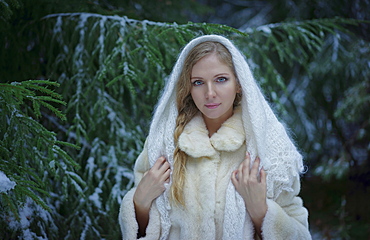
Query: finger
[[245, 166], [157, 165], [167, 180], [166, 175], [165, 165], [263, 176], [255, 166], [234, 178], [164, 168]]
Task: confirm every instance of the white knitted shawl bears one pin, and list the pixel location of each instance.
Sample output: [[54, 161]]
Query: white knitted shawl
[[265, 135]]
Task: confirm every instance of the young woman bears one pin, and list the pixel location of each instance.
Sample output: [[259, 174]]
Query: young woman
[[217, 163]]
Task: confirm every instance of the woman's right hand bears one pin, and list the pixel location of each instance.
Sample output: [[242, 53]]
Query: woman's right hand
[[148, 189], [152, 184]]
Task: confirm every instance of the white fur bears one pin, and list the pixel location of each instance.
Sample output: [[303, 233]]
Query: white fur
[[207, 184]]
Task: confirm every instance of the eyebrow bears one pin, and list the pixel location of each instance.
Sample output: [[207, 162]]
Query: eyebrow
[[219, 74]]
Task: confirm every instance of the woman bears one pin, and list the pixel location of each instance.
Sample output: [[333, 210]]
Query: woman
[[217, 164]]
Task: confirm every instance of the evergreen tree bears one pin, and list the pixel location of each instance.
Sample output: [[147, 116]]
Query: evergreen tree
[[108, 73]]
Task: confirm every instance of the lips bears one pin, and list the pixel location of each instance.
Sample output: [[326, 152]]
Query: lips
[[212, 105]]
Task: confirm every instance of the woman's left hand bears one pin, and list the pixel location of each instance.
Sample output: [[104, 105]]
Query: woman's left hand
[[252, 189]]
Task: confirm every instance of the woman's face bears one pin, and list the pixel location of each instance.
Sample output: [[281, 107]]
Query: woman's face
[[214, 87]]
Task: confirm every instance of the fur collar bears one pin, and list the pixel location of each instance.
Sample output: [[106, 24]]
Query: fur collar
[[194, 140]]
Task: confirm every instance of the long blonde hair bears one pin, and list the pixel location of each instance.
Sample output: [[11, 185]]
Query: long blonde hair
[[187, 109]]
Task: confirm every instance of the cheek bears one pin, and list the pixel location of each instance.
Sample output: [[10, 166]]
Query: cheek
[[195, 95], [228, 92]]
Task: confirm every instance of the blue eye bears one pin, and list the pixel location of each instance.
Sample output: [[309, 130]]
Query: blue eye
[[221, 79], [197, 83]]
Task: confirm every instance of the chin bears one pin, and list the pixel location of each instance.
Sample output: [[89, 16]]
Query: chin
[[213, 116]]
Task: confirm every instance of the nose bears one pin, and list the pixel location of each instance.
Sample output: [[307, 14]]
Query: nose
[[210, 92]]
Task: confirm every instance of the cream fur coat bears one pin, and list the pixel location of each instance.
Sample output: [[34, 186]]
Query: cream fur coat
[[209, 167]]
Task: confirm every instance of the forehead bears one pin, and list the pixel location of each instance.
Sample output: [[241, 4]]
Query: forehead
[[210, 62]]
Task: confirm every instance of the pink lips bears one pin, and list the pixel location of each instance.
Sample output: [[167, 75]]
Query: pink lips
[[212, 105]]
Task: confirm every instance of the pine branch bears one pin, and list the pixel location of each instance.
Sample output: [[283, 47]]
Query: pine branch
[[26, 142]]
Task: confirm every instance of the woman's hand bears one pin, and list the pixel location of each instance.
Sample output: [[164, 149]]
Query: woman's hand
[[252, 188], [148, 189], [152, 183]]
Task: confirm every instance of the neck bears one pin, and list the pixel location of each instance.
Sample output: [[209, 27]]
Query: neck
[[212, 125]]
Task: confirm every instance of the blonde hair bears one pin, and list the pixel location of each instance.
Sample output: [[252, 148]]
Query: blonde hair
[[187, 108]]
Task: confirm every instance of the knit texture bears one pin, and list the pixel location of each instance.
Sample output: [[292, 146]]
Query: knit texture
[[266, 138]]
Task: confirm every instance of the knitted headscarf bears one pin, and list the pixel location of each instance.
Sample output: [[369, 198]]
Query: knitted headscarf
[[265, 137]]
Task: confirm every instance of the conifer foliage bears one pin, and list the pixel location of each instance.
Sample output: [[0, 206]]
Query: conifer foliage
[[33, 161], [68, 145]]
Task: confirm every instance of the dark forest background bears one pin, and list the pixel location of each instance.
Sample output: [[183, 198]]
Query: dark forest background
[[79, 80]]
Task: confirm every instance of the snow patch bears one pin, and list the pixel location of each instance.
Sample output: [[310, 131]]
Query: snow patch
[[95, 198], [264, 29], [5, 183]]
